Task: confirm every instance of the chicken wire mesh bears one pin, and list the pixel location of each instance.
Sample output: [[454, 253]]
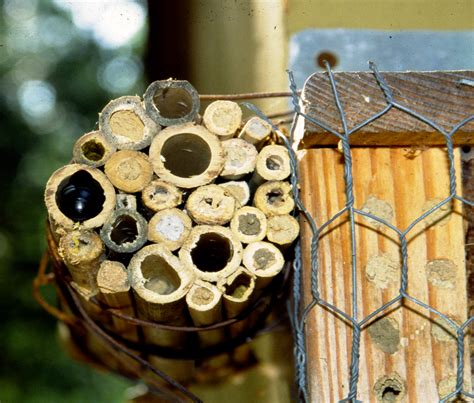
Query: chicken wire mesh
[[298, 310]]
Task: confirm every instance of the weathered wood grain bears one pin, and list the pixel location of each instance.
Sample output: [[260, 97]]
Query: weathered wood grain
[[439, 96], [406, 345]]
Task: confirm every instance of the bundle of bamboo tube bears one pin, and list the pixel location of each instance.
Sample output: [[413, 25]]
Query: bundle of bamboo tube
[[172, 218]]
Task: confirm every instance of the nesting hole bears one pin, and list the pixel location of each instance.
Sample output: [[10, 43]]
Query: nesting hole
[[202, 296], [124, 230], [239, 286], [390, 389], [274, 163], [275, 197], [80, 197], [389, 394], [159, 275], [249, 224], [173, 103], [326, 56], [93, 150], [263, 259], [212, 252], [186, 155], [466, 149], [128, 124]]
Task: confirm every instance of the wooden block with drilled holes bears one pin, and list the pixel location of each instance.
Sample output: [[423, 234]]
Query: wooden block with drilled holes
[[408, 353]]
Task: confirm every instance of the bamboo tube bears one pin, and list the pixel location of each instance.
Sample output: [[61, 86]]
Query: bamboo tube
[[92, 149], [114, 292], [129, 171], [78, 193], [125, 124], [273, 163], [211, 204], [282, 229], [159, 195], [274, 198], [187, 155], [204, 302], [264, 260], [170, 228], [255, 131], [239, 190], [171, 102], [240, 158], [211, 252], [127, 201], [125, 231], [249, 224], [82, 251], [223, 118], [237, 290], [160, 283]]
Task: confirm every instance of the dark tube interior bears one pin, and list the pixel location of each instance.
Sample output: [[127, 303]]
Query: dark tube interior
[[93, 150], [173, 103], [239, 286], [124, 230], [186, 155], [80, 197], [212, 252], [159, 275]]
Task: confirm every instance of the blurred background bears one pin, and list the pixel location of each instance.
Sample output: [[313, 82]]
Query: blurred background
[[60, 63]]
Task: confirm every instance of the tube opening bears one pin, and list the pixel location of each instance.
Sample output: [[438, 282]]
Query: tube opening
[[93, 150], [212, 252], [80, 197], [275, 197], [159, 275], [274, 162], [186, 155], [239, 286], [124, 230], [173, 103]]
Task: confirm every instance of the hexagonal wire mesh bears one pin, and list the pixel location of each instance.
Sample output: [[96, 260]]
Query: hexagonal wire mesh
[[299, 312]]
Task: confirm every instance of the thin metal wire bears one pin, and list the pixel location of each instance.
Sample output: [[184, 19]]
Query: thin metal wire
[[297, 310]]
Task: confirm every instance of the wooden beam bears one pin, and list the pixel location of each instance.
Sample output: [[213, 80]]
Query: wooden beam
[[439, 96], [408, 350]]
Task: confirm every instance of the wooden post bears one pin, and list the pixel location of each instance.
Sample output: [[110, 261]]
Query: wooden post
[[407, 352]]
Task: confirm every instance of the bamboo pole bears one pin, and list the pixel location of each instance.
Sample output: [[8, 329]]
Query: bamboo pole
[[129, 170], [92, 149], [212, 252], [125, 231], [114, 292], [274, 198], [170, 228], [159, 195], [255, 131], [82, 251], [78, 193], [264, 260], [211, 204], [249, 224], [238, 290], [223, 118], [171, 102], [272, 163], [239, 190], [282, 230], [187, 155], [240, 159], [126, 125], [204, 302]]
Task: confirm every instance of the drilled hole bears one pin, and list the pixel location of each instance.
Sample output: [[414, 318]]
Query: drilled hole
[[173, 103], [466, 149], [212, 252], [327, 56], [159, 275], [124, 230], [93, 150], [80, 197], [389, 394], [186, 155]]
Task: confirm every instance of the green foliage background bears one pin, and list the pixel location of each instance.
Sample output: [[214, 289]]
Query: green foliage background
[[54, 79]]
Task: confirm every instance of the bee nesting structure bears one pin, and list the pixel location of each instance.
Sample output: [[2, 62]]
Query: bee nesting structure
[[169, 228]]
